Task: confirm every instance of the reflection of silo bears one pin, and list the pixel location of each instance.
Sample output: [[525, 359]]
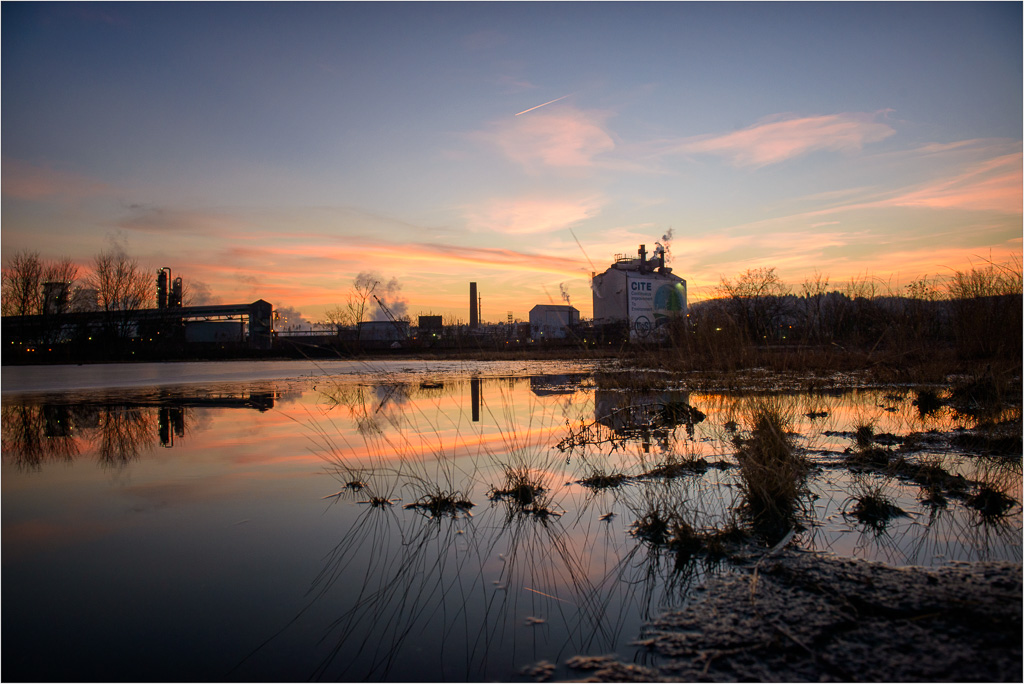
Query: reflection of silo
[[472, 306]]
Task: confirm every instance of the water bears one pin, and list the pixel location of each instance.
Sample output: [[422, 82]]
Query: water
[[192, 521]]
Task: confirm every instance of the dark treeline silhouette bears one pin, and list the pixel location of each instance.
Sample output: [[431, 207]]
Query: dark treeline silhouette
[[755, 319]]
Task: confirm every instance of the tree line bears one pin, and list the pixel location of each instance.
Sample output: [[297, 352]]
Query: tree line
[[976, 310], [116, 283]]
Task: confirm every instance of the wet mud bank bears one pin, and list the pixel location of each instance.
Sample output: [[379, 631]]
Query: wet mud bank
[[810, 617]]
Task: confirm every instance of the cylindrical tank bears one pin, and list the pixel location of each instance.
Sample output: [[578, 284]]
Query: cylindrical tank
[[175, 299], [161, 288]]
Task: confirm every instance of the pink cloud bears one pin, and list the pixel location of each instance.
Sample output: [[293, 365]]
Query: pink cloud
[[990, 185], [521, 216], [561, 137], [24, 181], [776, 140]]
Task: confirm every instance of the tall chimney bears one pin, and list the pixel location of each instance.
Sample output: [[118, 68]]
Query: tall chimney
[[643, 258], [472, 306]]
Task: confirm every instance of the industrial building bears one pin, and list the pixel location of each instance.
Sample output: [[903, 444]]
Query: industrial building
[[553, 321], [639, 292]]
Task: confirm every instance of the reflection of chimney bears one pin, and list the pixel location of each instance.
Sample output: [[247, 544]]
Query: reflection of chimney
[[472, 306], [474, 390]]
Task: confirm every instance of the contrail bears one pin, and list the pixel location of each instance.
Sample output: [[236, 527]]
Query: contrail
[[582, 250], [544, 105]]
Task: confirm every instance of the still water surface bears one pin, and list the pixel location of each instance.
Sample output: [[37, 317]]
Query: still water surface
[[193, 521]]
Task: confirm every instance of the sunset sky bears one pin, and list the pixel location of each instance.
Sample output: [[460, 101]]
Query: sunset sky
[[274, 151]]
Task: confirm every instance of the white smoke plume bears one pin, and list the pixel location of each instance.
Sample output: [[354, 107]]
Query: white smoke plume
[[198, 293], [289, 318], [391, 296]]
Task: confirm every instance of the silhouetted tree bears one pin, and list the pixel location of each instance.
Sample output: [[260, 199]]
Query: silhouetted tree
[[122, 288], [757, 301], [22, 284], [358, 305]]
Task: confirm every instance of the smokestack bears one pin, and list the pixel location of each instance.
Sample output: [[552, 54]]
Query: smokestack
[[161, 287], [472, 306], [643, 258]]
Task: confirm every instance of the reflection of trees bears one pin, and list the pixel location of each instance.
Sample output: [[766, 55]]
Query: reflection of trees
[[370, 407], [34, 434], [29, 439], [124, 434]]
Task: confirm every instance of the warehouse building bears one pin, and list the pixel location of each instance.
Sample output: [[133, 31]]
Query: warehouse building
[[553, 321]]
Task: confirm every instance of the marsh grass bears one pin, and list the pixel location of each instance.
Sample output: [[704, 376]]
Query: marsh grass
[[866, 453], [773, 474], [928, 402], [991, 502], [937, 484], [440, 503], [864, 435], [1001, 438], [520, 486], [676, 465], [600, 478], [673, 520], [871, 507]]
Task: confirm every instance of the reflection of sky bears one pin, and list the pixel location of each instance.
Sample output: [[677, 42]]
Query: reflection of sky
[[231, 524], [276, 150]]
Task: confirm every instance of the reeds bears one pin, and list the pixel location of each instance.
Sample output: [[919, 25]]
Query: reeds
[[772, 472]]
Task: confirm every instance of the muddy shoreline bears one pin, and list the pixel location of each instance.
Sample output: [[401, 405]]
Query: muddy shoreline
[[800, 616]]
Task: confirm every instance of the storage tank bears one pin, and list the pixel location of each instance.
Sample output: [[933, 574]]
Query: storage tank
[[639, 292]]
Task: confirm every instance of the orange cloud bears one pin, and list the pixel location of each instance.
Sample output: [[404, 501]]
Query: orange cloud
[[991, 185], [523, 216], [501, 259], [774, 141], [27, 182]]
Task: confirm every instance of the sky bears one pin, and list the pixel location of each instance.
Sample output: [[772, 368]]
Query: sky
[[275, 151]]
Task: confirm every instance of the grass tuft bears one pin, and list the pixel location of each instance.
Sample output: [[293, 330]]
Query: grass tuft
[[927, 402], [773, 474], [600, 479], [871, 507], [441, 503], [990, 502]]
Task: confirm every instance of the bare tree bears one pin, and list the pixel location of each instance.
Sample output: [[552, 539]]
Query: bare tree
[[363, 286], [757, 300], [815, 289], [22, 285], [338, 316], [358, 305], [122, 288], [63, 272]]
